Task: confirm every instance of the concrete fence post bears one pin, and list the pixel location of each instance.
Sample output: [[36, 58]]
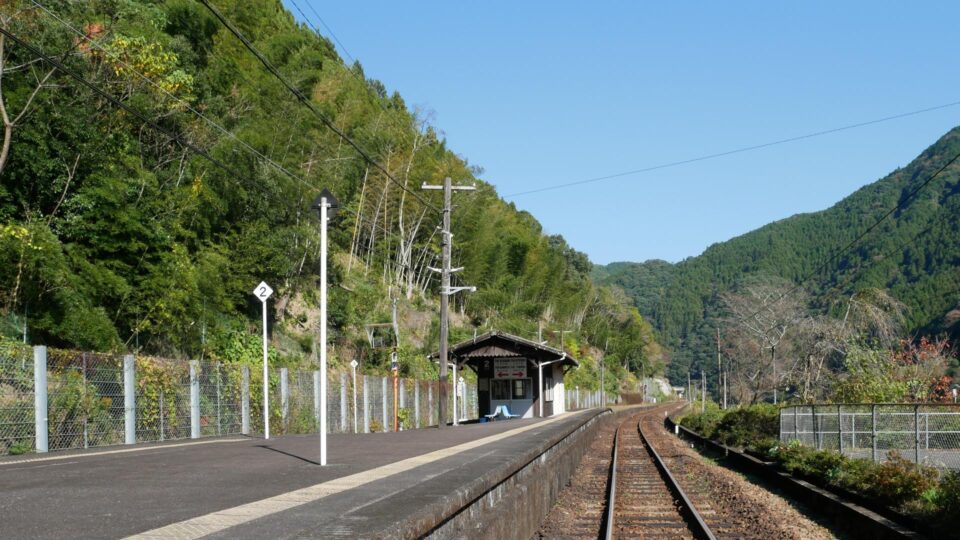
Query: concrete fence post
[[366, 405], [343, 402], [430, 408], [416, 404], [40, 398], [316, 397], [383, 394], [129, 400], [284, 395], [873, 430], [840, 428], [916, 434], [403, 394], [194, 399], [245, 401]]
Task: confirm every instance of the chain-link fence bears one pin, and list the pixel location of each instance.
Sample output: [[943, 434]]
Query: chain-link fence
[[924, 433], [16, 399], [96, 399]]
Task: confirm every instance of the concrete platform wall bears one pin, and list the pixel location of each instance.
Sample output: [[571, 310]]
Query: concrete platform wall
[[513, 505]]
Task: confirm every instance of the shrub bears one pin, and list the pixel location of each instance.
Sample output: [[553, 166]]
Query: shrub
[[750, 427], [704, 423], [949, 494], [897, 481]]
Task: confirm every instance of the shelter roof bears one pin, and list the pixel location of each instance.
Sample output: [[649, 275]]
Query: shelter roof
[[495, 344]]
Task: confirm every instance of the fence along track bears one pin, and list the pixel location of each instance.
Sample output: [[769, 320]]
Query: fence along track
[[647, 500]]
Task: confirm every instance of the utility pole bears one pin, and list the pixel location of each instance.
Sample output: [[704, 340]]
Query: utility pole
[[719, 369], [703, 384], [446, 238], [395, 367], [724, 389], [690, 395]]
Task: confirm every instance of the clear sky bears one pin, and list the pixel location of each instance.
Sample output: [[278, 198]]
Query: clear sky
[[544, 93]]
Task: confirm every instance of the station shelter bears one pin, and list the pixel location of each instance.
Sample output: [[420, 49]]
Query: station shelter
[[524, 375]]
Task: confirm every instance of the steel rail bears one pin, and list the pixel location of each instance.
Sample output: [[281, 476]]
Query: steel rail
[[611, 490], [698, 526]]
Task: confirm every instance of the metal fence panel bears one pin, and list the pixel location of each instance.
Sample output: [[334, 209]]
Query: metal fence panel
[[923, 433], [16, 400]]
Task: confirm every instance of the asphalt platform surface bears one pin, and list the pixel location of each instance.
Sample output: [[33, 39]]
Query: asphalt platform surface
[[114, 492]]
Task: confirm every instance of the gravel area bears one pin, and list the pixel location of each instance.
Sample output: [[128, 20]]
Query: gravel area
[[728, 499]]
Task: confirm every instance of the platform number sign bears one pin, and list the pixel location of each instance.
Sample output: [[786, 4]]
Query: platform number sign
[[263, 291]]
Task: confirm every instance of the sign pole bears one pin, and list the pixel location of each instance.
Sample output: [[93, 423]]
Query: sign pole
[[263, 292]]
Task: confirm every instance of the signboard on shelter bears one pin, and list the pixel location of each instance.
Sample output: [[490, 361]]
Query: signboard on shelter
[[509, 368]]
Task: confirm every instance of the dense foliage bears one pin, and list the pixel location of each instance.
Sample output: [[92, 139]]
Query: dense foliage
[[113, 236], [913, 256]]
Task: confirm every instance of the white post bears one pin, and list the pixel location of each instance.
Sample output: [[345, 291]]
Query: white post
[[316, 396], [263, 295], [353, 366], [323, 330], [284, 395], [455, 415], [129, 401], [366, 406], [343, 402], [245, 401], [540, 386], [416, 403], [383, 394], [194, 399], [40, 398]]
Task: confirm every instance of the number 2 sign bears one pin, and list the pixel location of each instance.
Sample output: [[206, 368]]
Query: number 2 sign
[[263, 291]]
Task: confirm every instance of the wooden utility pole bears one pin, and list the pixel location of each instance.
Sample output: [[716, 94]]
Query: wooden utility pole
[[719, 369], [446, 238], [703, 383]]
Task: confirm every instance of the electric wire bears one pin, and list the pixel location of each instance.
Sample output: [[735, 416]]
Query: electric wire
[[309, 104], [325, 25], [853, 243], [732, 152], [173, 136]]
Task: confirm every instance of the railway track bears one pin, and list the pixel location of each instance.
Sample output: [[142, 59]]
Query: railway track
[[639, 481], [647, 500]]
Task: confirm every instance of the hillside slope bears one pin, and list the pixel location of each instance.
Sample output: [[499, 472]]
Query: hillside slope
[[117, 234], [914, 254]]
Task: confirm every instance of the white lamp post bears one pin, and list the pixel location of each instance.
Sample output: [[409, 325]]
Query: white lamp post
[[326, 205]]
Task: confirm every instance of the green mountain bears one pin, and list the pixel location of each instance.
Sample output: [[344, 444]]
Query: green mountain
[[914, 254], [116, 233]]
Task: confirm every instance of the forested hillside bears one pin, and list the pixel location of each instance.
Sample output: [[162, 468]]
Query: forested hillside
[[116, 233], [913, 255]]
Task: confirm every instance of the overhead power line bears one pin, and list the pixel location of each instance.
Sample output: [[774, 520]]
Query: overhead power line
[[185, 103], [731, 152], [325, 25], [853, 243], [309, 104], [173, 136]]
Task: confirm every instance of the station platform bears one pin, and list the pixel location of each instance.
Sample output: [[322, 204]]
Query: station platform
[[382, 485]]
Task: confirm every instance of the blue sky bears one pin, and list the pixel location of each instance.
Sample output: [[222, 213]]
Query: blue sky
[[540, 93]]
